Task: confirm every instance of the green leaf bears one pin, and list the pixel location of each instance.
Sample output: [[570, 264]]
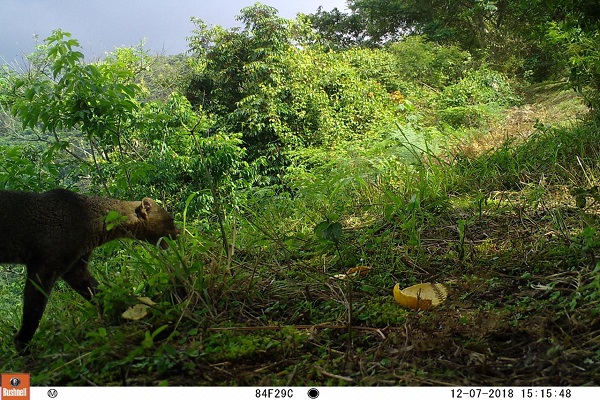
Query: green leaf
[[330, 231], [114, 219], [320, 228], [333, 232]]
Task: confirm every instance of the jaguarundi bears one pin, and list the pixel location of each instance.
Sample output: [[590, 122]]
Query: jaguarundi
[[54, 233]]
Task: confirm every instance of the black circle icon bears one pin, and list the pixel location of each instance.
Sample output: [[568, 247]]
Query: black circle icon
[[313, 393], [15, 382]]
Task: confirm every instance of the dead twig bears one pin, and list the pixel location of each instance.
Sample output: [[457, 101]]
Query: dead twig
[[330, 375]]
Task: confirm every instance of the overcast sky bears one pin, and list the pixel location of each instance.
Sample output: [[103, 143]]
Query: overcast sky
[[102, 25]]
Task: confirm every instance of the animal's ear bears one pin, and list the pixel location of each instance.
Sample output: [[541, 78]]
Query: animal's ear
[[144, 208]]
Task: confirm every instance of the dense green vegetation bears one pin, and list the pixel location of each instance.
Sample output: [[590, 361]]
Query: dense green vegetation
[[442, 146]]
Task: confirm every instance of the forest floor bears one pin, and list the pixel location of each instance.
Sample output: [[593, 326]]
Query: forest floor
[[523, 306]]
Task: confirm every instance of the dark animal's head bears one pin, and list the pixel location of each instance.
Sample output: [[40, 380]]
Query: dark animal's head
[[155, 223]]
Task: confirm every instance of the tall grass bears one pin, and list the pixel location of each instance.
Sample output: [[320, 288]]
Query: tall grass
[[550, 155]]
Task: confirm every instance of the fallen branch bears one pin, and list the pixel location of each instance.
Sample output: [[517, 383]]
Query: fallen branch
[[330, 375]]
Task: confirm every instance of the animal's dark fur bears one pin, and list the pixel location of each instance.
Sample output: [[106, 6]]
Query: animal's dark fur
[[54, 233]]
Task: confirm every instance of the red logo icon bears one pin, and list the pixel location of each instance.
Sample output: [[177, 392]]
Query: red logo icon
[[15, 386]]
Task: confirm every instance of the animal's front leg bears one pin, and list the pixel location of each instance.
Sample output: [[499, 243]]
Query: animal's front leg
[[81, 280], [38, 286]]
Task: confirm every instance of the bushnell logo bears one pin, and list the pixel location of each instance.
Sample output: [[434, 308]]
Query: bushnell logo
[[15, 386]]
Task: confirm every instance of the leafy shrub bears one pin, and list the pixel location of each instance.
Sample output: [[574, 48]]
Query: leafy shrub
[[472, 100], [28, 169], [417, 60], [6, 78], [383, 66], [480, 86], [470, 116], [578, 49]]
